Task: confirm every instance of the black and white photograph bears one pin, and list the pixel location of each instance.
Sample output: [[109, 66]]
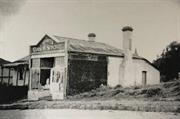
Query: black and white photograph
[[89, 59]]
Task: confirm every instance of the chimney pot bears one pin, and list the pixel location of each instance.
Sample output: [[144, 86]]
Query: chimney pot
[[127, 38], [127, 28], [92, 37]]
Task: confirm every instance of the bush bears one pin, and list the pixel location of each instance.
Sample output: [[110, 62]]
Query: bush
[[118, 86], [152, 92]]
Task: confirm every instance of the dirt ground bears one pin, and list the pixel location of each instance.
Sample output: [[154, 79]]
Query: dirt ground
[[81, 114], [158, 98], [131, 105]]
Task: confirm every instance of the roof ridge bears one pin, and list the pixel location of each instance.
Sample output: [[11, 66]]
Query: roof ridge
[[81, 45], [85, 40], [68, 37]]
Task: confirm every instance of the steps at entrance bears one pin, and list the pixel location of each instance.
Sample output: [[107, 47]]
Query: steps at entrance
[[43, 93]]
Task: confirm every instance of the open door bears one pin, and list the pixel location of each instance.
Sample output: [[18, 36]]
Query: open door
[[45, 77]]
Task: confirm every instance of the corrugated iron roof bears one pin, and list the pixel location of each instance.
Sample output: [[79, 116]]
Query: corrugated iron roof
[[77, 45], [22, 61], [2, 61], [14, 64]]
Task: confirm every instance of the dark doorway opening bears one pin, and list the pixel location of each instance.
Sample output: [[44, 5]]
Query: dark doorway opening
[[45, 65], [144, 78], [45, 75], [47, 62]]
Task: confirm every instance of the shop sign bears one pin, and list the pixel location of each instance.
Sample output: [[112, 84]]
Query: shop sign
[[47, 48], [84, 57]]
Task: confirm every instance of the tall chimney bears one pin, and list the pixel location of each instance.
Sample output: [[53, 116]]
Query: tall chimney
[[127, 38], [91, 37]]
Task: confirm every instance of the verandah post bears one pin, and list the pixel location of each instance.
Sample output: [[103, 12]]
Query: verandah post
[[24, 77], [2, 74], [17, 78], [9, 76]]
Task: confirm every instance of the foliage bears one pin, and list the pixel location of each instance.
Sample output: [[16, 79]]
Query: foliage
[[169, 62]]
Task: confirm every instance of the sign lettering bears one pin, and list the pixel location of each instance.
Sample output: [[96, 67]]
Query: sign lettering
[[47, 48]]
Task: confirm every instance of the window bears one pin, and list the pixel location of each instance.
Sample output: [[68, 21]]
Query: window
[[144, 78]]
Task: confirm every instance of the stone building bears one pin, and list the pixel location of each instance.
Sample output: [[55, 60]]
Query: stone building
[[61, 66]]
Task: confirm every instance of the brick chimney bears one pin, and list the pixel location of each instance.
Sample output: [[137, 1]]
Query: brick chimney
[[91, 37], [127, 38]]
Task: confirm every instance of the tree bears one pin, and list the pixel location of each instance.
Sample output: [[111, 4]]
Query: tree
[[169, 62]]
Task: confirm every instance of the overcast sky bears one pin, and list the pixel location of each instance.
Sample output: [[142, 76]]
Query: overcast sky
[[156, 23]]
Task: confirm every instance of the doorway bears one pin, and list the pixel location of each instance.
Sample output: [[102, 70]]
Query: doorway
[[45, 77], [144, 78]]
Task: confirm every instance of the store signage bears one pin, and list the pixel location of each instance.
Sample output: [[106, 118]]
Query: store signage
[[47, 45], [47, 48], [84, 57]]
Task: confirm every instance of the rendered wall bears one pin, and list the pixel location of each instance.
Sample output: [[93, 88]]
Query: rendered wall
[[153, 75], [114, 73], [129, 73]]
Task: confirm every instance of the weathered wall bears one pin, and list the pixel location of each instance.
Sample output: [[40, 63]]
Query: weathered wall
[[153, 75], [5, 74], [129, 73], [127, 70], [13, 80], [86, 75], [114, 73], [20, 82]]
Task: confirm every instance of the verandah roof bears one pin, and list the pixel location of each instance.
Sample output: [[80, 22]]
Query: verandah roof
[[22, 61]]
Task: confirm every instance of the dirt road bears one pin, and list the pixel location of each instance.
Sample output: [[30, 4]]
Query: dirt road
[[82, 114]]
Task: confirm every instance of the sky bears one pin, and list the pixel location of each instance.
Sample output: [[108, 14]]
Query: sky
[[156, 23]]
